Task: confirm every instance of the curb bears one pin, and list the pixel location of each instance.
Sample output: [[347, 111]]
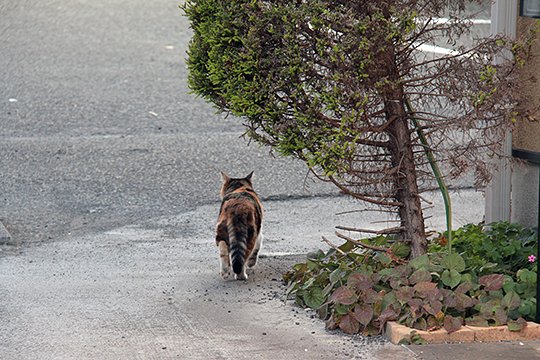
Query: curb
[[467, 334]]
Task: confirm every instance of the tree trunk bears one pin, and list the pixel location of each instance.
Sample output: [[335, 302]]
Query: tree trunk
[[410, 212], [402, 157]]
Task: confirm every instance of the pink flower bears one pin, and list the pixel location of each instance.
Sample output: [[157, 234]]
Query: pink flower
[[532, 258]]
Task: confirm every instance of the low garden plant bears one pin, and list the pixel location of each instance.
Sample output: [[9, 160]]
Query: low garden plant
[[489, 279]]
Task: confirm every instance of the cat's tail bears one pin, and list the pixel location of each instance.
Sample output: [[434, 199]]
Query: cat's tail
[[238, 232]]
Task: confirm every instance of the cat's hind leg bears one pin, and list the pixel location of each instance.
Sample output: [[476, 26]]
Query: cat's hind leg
[[252, 261], [225, 268]]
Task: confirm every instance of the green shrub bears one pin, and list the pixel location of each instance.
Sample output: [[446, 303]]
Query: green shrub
[[502, 246], [359, 290]]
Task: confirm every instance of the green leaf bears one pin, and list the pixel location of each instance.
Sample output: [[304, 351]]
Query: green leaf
[[527, 276], [315, 255], [467, 277], [526, 308], [336, 276], [453, 261], [343, 295], [387, 273], [517, 325], [514, 326], [388, 299], [341, 309], [384, 259], [299, 298], [314, 298], [401, 249], [508, 284], [511, 300], [405, 341], [346, 247], [488, 266], [309, 283], [312, 265], [420, 262], [485, 309], [423, 295], [477, 321], [416, 339], [451, 278]]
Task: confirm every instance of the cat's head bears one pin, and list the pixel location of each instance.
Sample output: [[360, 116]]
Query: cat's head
[[229, 184]]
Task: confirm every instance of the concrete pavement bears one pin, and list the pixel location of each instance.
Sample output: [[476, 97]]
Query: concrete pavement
[[152, 291]]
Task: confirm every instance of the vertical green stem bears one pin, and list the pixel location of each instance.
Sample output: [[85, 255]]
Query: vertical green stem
[[436, 172]]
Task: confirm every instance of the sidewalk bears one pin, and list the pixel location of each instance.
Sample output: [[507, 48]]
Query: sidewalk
[[152, 290], [507, 350]]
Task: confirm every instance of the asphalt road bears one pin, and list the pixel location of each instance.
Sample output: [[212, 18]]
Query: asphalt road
[[97, 126]]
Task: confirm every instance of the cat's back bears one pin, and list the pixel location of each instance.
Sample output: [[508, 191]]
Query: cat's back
[[242, 200]]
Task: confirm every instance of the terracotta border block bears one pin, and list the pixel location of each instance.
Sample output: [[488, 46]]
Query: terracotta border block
[[497, 333], [396, 332]]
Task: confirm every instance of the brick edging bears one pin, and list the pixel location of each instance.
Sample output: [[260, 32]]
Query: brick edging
[[396, 332]]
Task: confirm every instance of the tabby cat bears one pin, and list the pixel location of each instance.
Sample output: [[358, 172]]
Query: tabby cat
[[238, 231]]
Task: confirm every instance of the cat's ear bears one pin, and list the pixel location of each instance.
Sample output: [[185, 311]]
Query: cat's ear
[[224, 177], [249, 176]]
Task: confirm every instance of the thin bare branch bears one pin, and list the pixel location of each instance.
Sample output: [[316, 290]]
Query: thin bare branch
[[359, 243], [394, 230], [335, 247]]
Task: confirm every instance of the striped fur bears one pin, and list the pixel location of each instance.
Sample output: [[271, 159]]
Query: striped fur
[[239, 228]]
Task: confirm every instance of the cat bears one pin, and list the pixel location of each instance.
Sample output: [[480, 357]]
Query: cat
[[239, 227]]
